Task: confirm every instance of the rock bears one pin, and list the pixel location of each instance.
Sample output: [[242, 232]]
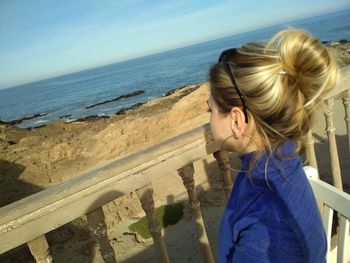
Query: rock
[[89, 118], [13, 122], [334, 44], [95, 117], [3, 144], [172, 91], [343, 41], [65, 116], [135, 93], [11, 142], [19, 121], [36, 127], [62, 151], [123, 111]]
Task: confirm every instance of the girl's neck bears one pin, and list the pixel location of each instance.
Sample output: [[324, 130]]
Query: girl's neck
[[250, 143]]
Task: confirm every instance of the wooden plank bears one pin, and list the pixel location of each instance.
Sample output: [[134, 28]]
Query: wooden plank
[[331, 196], [343, 239], [327, 220], [47, 210]]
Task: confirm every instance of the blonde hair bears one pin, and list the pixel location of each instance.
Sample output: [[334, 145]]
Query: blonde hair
[[282, 80]]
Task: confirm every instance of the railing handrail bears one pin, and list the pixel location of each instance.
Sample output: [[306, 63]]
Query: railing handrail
[[332, 196], [334, 200]]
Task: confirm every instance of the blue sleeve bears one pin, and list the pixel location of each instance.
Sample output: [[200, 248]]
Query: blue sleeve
[[267, 241]]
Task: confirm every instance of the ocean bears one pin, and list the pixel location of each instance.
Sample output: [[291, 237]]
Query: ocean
[[67, 97]]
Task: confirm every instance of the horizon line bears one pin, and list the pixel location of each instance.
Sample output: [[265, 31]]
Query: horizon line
[[168, 50]]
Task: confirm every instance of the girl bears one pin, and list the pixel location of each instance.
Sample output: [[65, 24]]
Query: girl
[[262, 100]]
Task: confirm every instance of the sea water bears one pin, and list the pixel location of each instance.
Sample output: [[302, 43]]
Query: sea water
[[66, 97]]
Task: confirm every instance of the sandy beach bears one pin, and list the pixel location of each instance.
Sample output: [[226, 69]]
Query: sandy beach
[[36, 159]]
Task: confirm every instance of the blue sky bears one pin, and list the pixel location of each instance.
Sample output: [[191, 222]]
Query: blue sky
[[45, 38]]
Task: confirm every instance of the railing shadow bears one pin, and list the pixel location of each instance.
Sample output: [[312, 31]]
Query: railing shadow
[[60, 240], [182, 238], [12, 188], [72, 242]]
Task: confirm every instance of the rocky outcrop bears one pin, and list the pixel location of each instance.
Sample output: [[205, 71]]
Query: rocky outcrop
[[132, 94], [172, 91], [19, 121], [89, 118], [123, 111]]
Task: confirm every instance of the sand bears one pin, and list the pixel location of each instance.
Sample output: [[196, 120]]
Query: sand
[[32, 160], [45, 156]]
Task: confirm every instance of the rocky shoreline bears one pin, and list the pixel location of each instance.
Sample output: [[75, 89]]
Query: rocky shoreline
[[341, 48], [68, 118], [59, 150]]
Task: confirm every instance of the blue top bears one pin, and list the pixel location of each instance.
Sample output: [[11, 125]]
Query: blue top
[[278, 221]]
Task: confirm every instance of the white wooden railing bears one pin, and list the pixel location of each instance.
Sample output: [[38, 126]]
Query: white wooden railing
[[333, 200], [27, 220]]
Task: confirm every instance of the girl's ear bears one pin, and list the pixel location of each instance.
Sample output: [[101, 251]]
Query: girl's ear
[[238, 125]]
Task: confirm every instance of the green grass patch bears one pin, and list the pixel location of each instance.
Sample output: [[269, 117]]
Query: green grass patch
[[166, 215]]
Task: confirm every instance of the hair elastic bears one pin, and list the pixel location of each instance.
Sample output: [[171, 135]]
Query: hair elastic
[[282, 72]]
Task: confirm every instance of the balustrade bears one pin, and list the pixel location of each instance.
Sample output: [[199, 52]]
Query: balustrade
[[223, 163], [96, 221], [333, 151], [40, 250], [186, 173], [145, 195]]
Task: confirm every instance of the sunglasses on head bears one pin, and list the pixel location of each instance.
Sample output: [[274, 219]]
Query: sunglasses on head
[[225, 59]]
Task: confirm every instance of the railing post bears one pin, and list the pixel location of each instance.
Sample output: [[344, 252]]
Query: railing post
[[98, 225], [223, 160], [186, 173], [40, 250], [309, 143], [335, 166], [145, 195], [346, 103]]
